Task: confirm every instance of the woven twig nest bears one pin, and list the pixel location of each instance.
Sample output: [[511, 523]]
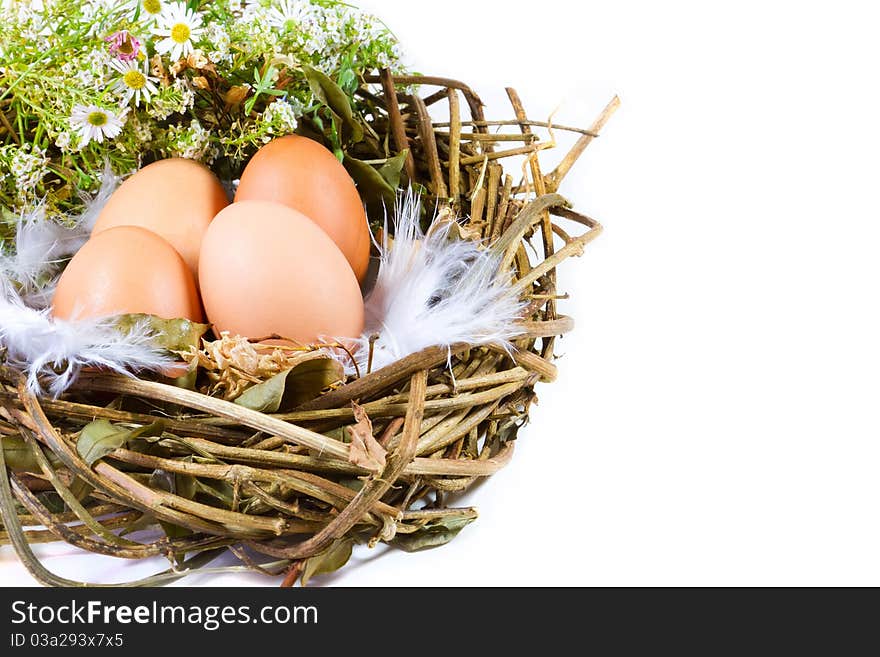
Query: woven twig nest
[[281, 490]]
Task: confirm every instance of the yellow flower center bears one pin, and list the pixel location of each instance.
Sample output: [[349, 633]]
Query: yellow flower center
[[152, 6], [97, 119], [134, 80], [180, 33]]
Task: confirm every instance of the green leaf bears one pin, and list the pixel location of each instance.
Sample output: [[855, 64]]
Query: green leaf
[[348, 80], [393, 168], [334, 558], [293, 387], [18, 454], [99, 438], [170, 334], [434, 534], [217, 490], [372, 187], [332, 95], [157, 428]]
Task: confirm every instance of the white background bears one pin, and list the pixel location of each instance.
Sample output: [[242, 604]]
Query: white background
[[715, 421]]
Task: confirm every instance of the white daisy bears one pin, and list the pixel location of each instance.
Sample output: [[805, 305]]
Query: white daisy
[[150, 10], [180, 27], [91, 122], [134, 81], [287, 14]]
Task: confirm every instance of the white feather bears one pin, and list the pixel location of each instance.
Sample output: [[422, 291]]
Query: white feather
[[41, 243], [49, 350], [54, 351], [434, 290]]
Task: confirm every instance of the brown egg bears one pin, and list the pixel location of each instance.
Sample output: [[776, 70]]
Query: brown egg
[[174, 198], [301, 174], [266, 269], [123, 270]]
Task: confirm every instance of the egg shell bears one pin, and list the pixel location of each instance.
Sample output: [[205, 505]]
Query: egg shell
[[300, 173], [124, 270], [175, 198], [266, 269]]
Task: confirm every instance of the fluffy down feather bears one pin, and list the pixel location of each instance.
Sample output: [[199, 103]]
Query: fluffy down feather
[[40, 244], [434, 290], [55, 351], [51, 350]]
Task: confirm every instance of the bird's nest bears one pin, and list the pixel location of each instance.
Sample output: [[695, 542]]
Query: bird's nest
[[175, 472]]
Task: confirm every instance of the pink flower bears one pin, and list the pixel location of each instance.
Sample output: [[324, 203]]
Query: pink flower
[[124, 45]]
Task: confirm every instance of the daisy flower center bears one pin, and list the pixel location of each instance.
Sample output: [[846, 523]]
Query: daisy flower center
[[134, 80], [152, 6], [97, 119], [180, 33]]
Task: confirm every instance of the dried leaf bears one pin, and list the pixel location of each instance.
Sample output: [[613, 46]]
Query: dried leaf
[[176, 484], [373, 188], [293, 387], [157, 68], [364, 450], [197, 60], [18, 454], [188, 380], [99, 438], [220, 491], [171, 334], [334, 558], [393, 168], [434, 534], [235, 96], [465, 232]]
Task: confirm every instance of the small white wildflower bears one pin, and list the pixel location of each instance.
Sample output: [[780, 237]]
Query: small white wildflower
[[192, 142], [187, 95], [93, 123], [28, 165], [220, 41], [333, 22], [134, 81], [93, 68], [281, 117], [249, 7], [141, 129], [62, 141], [180, 27]]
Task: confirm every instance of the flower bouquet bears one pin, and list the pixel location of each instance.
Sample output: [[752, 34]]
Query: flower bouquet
[[263, 290]]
